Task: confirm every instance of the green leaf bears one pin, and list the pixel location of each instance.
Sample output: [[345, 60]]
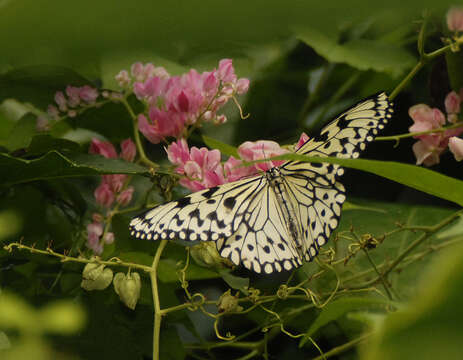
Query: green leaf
[[22, 133], [361, 54], [235, 282], [335, 309], [224, 148], [430, 326], [41, 144], [167, 271], [416, 177], [60, 165], [453, 231]]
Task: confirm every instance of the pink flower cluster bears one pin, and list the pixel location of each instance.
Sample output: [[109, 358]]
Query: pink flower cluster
[[455, 19], [74, 97], [175, 102], [202, 168], [95, 235], [430, 146], [112, 186]]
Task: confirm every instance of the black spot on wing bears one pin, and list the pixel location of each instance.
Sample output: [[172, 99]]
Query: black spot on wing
[[229, 202], [210, 192], [183, 202]]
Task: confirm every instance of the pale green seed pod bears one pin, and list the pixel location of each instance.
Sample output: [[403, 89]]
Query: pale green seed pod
[[96, 277], [128, 288]]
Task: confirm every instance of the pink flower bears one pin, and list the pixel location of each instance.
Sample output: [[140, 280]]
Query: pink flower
[[88, 94], [176, 102], [226, 73], [261, 149], [103, 148], [201, 167], [42, 123], [234, 169], [427, 151], [115, 182], [242, 86], [456, 147], [455, 19], [452, 106], [61, 101], [302, 140], [73, 95], [123, 78], [430, 146], [425, 118], [128, 150], [125, 196], [104, 195], [178, 152], [108, 238], [94, 231]]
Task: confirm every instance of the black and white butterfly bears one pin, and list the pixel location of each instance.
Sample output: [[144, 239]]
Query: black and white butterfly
[[273, 221]]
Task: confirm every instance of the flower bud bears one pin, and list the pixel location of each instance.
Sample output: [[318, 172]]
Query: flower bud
[[96, 277], [228, 303], [206, 254], [125, 196], [128, 150], [123, 79], [128, 288]]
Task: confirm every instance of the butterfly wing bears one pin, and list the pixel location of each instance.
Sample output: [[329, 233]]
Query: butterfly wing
[[206, 215], [316, 194], [261, 241]]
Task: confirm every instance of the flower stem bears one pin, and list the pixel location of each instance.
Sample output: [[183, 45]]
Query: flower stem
[[143, 158], [157, 306]]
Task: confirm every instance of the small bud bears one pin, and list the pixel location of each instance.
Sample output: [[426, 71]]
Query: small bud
[[42, 123], [109, 238], [128, 150], [206, 254], [128, 288], [96, 277], [123, 79], [242, 86], [228, 303], [125, 196]]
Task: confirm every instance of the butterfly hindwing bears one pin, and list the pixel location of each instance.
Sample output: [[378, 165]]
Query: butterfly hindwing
[[248, 219]]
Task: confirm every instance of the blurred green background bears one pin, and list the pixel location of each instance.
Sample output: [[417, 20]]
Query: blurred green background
[[283, 47]]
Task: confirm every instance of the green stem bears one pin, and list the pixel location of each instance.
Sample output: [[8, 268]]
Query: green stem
[[66, 258], [157, 306], [136, 134], [407, 135], [340, 349], [383, 280], [424, 59]]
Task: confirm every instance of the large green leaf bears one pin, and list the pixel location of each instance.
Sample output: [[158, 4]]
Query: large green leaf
[[55, 165], [417, 177], [335, 309], [430, 327], [361, 54]]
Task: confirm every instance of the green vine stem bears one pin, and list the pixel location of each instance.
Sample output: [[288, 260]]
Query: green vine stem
[[157, 306], [424, 58], [413, 134], [143, 158]]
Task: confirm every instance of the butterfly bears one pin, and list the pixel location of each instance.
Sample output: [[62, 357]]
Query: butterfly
[[273, 221]]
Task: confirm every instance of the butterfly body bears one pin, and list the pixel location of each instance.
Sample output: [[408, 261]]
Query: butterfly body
[[276, 220]]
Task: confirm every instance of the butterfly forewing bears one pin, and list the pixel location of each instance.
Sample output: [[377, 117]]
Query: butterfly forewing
[[249, 218]]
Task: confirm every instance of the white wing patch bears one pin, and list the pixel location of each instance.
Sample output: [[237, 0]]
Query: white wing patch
[[248, 219]]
